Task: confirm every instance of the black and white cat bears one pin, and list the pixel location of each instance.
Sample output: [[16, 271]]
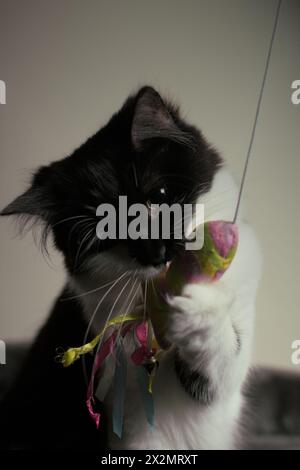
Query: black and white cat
[[150, 154]]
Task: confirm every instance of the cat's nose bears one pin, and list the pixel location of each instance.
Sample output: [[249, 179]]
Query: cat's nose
[[149, 252], [159, 256]]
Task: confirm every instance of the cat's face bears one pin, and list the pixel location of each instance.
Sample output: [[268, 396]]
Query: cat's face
[[147, 153]]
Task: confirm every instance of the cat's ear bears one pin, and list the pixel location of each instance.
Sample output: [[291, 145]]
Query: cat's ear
[[151, 118], [35, 201]]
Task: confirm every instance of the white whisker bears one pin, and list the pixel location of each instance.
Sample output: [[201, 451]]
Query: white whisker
[[128, 308], [70, 218], [106, 323], [84, 238], [145, 299], [94, 314]]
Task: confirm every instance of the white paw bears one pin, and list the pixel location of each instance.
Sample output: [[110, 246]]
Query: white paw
[[200, 308]]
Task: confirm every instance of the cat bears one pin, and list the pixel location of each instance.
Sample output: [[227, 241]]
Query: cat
[[149, 153]]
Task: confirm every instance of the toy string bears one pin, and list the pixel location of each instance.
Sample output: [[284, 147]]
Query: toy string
[[257, 111]]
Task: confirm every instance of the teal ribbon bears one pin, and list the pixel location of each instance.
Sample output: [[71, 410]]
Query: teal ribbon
[[147, 397], [119, 390]]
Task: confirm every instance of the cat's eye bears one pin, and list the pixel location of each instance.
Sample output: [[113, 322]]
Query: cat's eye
[[157, 196]]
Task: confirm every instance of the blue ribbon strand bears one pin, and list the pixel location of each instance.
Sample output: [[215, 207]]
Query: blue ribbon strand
[[147, 397], [119, 390]]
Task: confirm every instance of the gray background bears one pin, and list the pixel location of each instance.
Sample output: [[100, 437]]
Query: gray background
[[69, 64]]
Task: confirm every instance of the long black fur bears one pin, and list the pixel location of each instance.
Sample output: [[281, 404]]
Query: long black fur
[[45, 408]]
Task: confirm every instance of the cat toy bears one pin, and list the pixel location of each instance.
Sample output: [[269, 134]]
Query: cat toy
[[205, 265]]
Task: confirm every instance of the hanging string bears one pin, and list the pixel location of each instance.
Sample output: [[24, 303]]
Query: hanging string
[[257, 111]]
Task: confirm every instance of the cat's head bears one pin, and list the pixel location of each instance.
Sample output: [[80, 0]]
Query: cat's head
[[146, 152]]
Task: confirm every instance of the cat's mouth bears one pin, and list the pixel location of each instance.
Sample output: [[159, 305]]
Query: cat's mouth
[[150, 272], [138, 267], [118, 260]]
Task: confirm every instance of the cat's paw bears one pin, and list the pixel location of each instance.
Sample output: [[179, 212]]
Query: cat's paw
[[200, 309]]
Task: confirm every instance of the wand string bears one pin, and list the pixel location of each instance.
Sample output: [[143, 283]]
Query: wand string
[[257, 111]]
